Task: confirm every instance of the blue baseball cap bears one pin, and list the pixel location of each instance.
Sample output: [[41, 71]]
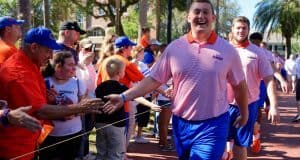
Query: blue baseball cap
[[8, 21], [42, 36], [148, 58], [123, 41]]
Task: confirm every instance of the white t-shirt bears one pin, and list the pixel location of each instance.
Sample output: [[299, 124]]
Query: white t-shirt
[[289, 66], [88, 77], [297, 67], [143, 68], [67, 94]]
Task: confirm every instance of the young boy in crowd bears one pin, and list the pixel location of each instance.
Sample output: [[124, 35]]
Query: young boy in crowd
[[110, 140]]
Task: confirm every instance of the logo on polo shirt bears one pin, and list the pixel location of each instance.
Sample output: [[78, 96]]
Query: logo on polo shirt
[[218, 57], [252, 57]]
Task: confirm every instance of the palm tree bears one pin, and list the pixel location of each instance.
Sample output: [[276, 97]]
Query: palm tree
[[274, 15]]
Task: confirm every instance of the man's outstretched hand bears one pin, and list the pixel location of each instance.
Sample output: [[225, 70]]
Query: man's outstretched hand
[[114, 103]]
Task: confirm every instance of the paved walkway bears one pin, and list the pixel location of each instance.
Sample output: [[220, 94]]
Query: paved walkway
[[281, 142]]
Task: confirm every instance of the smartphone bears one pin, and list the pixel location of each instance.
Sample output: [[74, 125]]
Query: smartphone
[[47, 83]]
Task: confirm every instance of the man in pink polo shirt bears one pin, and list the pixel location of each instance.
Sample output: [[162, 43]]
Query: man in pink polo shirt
[[256, 66], [201, 64]]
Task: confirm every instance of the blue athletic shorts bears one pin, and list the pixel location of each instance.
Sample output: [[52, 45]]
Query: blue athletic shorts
[[262, 94], [203, 140], [242, 136]]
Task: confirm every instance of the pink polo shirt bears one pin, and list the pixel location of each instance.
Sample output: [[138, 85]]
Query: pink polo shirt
[[256, 66], [269, 55], [200, 74]]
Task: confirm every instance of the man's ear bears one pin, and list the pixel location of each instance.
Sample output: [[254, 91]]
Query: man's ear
[[34, 47], [8, 28]]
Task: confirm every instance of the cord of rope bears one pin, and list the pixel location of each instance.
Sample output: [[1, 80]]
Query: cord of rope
[[55, 144]]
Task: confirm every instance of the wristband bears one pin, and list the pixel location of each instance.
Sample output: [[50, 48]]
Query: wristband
[[4, 117], [123, 97]]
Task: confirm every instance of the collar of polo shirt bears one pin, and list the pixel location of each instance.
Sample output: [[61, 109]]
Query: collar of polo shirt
[[241, 45], [211, 39]]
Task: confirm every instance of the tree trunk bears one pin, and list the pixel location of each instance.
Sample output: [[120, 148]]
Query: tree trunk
[[288, 48], [24, 13], [169, 24], [118, 17], [217, 15], [143, 5], [46, 13], [157, 19]]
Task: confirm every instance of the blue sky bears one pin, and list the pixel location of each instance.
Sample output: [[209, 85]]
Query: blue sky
[[248, 8]]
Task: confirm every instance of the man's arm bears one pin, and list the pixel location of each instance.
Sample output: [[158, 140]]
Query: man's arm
[[53, 112], [241, 97], [273, 113], [116, 101], [147, 103], [19, 117], [278, 76]]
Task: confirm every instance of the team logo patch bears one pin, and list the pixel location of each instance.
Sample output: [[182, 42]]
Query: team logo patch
[[218, 57], [251, 57]]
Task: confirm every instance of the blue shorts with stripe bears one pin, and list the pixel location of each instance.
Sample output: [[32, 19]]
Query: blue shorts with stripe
[[242, 136], [262, 94], [203, 140]]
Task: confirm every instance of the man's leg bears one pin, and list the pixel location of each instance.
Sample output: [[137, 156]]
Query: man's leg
[[240, 153], [243, 136], [201, 140]]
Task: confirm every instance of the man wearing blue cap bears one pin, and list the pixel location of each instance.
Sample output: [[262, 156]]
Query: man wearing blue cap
[[10, 33], [23, 84]]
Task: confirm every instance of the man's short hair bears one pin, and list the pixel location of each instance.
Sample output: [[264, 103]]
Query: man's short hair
[[256, 36], [2, 32], [203, 1], [113, 66], [242, 19], [145, 29]]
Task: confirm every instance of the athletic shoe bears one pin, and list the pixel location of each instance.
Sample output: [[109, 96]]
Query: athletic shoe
[[256, 146], [141, 140], [296, 118], [167, 148]]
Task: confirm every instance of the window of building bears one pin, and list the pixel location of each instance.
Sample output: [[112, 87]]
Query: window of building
[[96, 32]]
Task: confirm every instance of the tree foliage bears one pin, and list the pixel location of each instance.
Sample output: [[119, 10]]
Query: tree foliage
[[8, 8], [228, 9], [60, 10], [272, 15]]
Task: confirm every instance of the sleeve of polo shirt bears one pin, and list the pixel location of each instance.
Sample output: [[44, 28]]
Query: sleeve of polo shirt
[[264, 67], [161, 70], [236, 73], [133, 73], [26, 90]]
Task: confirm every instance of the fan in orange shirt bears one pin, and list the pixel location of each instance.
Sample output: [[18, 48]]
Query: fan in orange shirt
[[144, 41], [10, 33]]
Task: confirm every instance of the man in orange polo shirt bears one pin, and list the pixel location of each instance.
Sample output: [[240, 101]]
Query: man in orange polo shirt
[[10, 33], [23, 84]]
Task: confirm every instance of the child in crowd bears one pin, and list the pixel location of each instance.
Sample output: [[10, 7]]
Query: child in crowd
[[142, 118], [110, 140]]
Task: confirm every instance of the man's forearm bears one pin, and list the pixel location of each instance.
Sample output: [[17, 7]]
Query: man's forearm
[[272, 94], [277, 74], [145, 86], [241, 97], [53, 112], [144, 101]]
